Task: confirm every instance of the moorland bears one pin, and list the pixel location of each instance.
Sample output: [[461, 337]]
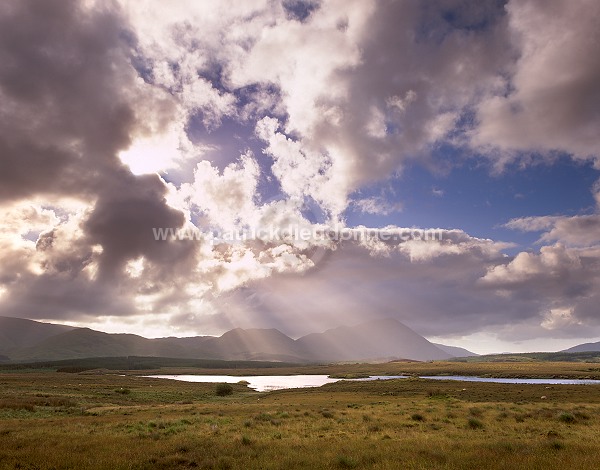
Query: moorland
[[118, 419]]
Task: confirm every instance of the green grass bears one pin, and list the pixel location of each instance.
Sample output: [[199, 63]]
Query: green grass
[[84, 421]]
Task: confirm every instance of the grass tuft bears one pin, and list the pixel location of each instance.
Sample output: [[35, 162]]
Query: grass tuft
[[345, 461], [474, 423], [566, 418]]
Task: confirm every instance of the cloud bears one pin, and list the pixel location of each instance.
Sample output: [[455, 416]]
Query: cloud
[[552, 91], [321, 99], [596, 193], [64, 116], [303, 173], [228, 199], [561, 281], [581, 230], [377, 205], [390, 283], [458, 287], [72, 101], [362, 87]]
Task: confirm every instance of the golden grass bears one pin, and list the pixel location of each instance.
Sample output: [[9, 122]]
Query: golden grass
[[83, 421], [533, 369]]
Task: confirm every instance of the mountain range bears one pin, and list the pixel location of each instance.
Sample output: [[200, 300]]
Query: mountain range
[[24, 340]]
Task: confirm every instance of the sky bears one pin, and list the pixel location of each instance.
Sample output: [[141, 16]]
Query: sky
[[183, 168]]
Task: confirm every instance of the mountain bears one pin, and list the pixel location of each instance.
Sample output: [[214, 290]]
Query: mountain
[[256, 344], [375, 340], [455, 351], [83, 342], [584, 347], [20, 333]]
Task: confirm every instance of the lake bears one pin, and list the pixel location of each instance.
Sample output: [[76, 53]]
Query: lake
[[263, 383], [466, 378]]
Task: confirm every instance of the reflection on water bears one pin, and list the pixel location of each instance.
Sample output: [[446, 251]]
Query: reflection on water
[[466, 378], [263, 383]]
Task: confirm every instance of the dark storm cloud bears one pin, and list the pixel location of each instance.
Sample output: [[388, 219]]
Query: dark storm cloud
[[122, 221], [63, 298], [63, 83], [70, 101]]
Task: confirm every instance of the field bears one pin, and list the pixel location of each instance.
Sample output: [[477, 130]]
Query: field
[[117, 420]]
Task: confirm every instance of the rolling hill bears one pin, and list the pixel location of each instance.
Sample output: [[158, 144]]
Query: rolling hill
[[25, 341], [585, 347], [20, 333], [455, 351]]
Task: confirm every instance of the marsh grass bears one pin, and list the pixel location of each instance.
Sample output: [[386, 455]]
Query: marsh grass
[[59, 420]]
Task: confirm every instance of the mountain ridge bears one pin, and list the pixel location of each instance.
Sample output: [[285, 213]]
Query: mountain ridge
[[583, 347], [382, 339]]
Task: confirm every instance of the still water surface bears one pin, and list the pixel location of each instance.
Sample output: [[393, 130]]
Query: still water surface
[[262, 383], [466, 378]]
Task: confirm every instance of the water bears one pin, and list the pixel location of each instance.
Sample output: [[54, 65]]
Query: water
[[263, 383], [466, 378]]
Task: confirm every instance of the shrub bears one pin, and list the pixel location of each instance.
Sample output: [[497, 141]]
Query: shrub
[[566, 418], [223, 390], [474, 423], [555, 445], [346, 462], [417, 417]]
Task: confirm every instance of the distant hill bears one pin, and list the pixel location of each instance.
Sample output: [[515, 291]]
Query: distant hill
[[20, 333], [585, 347], [379, 339], [83, 342], [375, 340], [255, 344], [562, 356], [455, 351]]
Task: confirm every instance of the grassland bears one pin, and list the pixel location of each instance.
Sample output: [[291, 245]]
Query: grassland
[[566, 370], [57, 420]]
